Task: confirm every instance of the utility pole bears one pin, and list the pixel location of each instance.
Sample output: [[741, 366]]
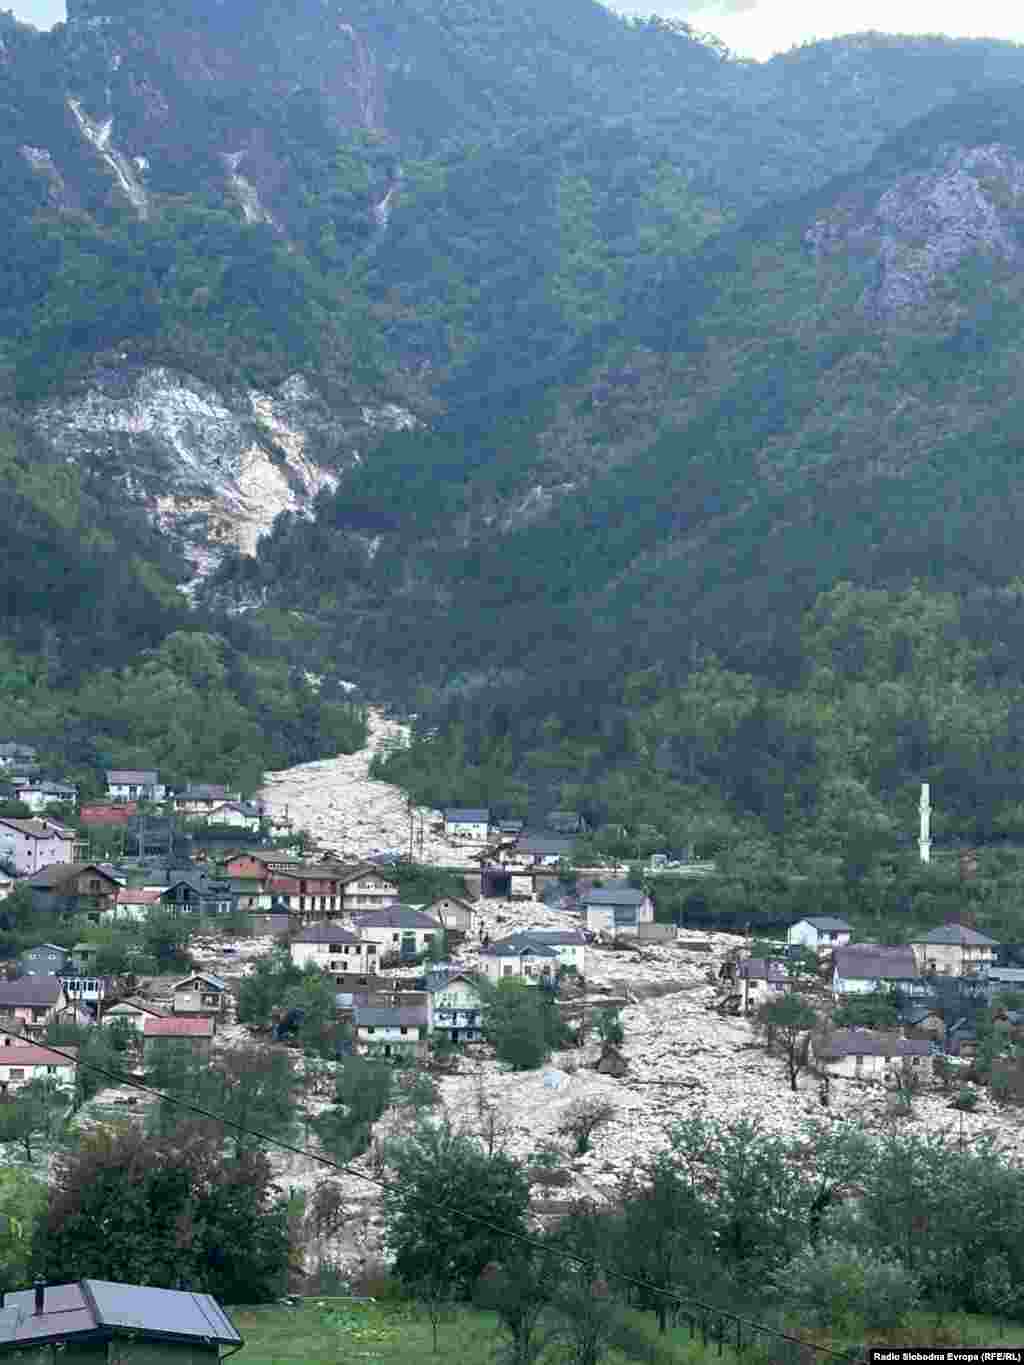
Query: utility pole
[[925, 838]]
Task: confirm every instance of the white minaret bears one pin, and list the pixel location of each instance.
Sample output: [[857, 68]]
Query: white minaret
[[925, 840]]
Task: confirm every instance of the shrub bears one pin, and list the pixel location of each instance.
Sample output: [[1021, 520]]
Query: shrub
[[967, 1100], [838, 1286]]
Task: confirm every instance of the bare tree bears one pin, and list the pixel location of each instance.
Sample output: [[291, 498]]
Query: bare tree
[[787, 1022], [583, 1119]]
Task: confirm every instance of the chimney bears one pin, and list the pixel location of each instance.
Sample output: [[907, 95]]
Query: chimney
[[40, 1295]]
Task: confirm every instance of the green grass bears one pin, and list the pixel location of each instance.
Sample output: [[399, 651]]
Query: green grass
[[345, 1333]]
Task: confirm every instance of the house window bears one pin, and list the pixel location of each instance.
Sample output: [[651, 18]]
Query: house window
[[337, 948], [394, 938], [51, 1071], [370, 1028], [211, 1000], [403, 1031], [16, 1073], [371, 947]]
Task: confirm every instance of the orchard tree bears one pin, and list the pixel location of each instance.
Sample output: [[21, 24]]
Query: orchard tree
[[583, 1119], [446, 1204], [787, 1021]]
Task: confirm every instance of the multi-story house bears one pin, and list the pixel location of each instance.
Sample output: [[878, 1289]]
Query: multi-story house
[[862, 968], [456, 1006], [74, 889], [237, 815], [35, 1000], [365, 888], [455, 914], [820, 933], [32, 844], [135, 784], [617, 908], [513, 958], [463, 823], [398, 929], [333, 949], [200, 994], [760, 980], [954, 950], [391, 1031], [569, 944]]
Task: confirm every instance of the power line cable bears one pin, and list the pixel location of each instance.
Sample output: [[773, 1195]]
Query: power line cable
[[511, 1234]]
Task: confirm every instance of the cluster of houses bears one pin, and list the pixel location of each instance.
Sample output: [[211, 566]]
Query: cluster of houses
[[934, 981]]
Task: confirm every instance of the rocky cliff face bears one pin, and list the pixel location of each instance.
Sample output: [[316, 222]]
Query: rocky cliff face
[[923, 226], [213, 468]]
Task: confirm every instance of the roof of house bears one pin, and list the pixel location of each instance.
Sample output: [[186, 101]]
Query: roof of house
[[1006, 975], [762, 969], [28, 1054], [162, 1026], [324, 933], [210, 980], [49, 788], [377, 1016], [854, 1043], [12, 749], [958, 934], [247, 808], [52, 947], [510, 826], [133, 1002], [132, 777], [30, 990], [90, 1306], [441, 980], [38, 829], [615, 893], [871, 961], [56, 874], [515, 947], [825, 922], [140, 895], [543, 844], [467, 816], [203, 791], [396, 917]]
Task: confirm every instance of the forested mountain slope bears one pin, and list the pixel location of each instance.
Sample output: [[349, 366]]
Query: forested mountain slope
[[573, 369]]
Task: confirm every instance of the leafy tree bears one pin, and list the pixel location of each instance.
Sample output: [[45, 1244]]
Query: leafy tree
[[608, 1023], [665, 1231], [875, 1010], [519, 1290], [444, 1204], [842, 1288], [172, 1212], [788, 1021], [260, 992], [36, 1114], [363, 1089], [522, 1024], [22, 1205]]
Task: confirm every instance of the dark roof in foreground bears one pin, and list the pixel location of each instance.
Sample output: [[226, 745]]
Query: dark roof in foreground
[[99, 1307], [30, 990], [853, 1043]]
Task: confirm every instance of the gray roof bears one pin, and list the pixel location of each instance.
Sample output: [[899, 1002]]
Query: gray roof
[[515, 947], [30, 990], [132, 777], [12, 749], [615, 893], [37, 829], [56, 874], [396, 917], [853, 1043], [1006, 975], [203, 791], [324, 933], [467, 816], [93, 1305], [211, 980], [957, 934], [377, 1016], [825, 922], [545, 845], [870, 961], [441, 980]]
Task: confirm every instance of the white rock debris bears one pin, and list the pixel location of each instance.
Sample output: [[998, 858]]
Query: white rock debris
[[126, 175], [245, 191]]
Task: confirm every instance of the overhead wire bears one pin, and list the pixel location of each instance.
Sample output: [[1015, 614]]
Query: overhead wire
[[511, 1234]]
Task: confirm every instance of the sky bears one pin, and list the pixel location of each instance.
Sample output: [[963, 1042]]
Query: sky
[[757, 28]]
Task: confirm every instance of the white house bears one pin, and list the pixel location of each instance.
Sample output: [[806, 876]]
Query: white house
[[955, 950], [457, 1006], [200, 993], [85, 990], [569, 944], [333, 949], [135, 902], [27, 1062], [819, 932], [237, 815], [200, 798], [366, 889], [133, 1011], [39, 795], [391, 1031], [135, 784], [454, 914], [858, 1055], [537, 850], [34, 844], [860, 968], [398, 929], [511, 958], [760, 980], [617, 908], [463, 823]]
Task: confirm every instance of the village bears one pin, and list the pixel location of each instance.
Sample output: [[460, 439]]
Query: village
[[889, 1034]]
